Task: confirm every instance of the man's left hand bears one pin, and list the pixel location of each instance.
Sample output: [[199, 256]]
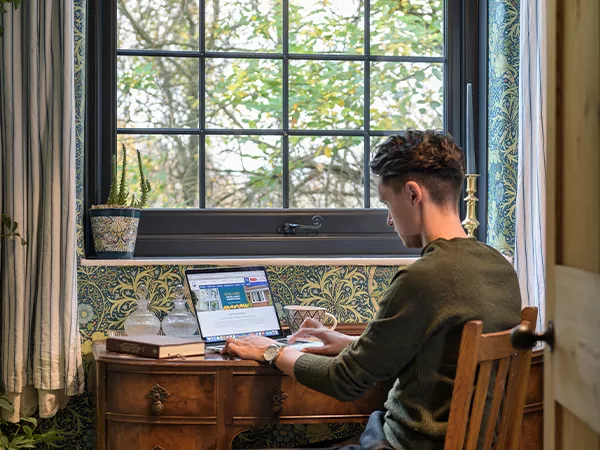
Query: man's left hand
[[249, 347]]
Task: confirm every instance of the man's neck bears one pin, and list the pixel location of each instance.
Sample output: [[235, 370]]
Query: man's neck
[[440, 224]]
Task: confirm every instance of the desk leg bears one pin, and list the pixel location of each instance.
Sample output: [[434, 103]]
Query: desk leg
[[100, 406], [224, 410]]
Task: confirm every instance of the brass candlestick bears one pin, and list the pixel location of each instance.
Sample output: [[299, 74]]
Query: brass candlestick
[[471, 223]]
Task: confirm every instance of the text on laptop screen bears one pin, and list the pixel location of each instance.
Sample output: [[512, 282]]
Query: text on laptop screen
[[233, 304]]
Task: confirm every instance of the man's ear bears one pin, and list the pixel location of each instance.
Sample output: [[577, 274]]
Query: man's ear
[[415, 194]]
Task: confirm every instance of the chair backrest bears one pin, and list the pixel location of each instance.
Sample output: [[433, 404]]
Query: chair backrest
[[489, 357]]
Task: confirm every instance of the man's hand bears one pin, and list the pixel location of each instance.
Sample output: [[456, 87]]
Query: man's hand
[[250, 347], [333, 342]]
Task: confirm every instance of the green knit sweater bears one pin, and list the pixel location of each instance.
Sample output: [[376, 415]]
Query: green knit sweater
[[415, 337]]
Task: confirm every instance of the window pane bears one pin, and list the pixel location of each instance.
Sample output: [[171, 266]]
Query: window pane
[[407, 27], [406, 95], [156, 92], [326, 95], [326, 172], [375, 203], [158, 24], [244, 172], [326, 27], [170, 164], [243, 93], [244, 25]]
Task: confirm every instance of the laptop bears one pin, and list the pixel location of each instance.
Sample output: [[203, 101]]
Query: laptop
[[235, 302]]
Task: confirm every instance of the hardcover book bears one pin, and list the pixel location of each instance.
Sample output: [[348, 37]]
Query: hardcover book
[[155, 346]]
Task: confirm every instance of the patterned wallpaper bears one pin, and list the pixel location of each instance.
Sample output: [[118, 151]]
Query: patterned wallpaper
[[503, 122], [106, 293], [350, 292]]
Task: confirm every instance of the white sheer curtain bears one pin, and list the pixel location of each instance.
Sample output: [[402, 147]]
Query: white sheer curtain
[[530, 236], [41, 354]]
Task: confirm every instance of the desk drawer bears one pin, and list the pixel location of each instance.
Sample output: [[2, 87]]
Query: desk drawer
[[129, 436], [266, 396], [175, 395]]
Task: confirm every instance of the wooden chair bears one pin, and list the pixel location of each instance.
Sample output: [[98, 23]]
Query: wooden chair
[[493, 357]]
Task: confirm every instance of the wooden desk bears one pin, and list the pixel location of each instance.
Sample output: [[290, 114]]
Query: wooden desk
[[203, 402]]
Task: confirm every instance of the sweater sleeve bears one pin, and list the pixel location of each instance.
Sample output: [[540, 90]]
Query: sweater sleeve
[[388, 343]]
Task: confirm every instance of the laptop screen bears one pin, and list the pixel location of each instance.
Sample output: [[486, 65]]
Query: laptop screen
[[233, 303]]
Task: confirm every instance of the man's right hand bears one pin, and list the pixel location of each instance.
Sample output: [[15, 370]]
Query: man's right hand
[[333, 342]]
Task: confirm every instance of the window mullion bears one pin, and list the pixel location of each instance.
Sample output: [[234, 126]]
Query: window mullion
[[285, 148], [367, 105], [202, 112]]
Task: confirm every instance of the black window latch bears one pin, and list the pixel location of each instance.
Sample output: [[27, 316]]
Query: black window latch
[[291, 228]]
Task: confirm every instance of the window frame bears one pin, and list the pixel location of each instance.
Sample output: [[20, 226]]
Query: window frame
[[252, 232]]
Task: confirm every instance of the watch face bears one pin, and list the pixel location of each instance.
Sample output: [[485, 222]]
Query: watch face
[[271, 353]]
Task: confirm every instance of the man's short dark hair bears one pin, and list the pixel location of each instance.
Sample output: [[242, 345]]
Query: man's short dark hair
[[431, 158]]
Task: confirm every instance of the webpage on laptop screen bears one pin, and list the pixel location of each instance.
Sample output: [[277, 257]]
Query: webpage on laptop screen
[[233, 304]]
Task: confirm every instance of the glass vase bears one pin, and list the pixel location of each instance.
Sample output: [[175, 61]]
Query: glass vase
[[141, 320], [179, 322]]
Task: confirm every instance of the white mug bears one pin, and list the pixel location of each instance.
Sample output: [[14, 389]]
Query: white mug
[[296, 314]]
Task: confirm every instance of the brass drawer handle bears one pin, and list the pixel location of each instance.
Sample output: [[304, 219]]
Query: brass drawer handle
[[158, 447], [158, 395], [277, 399]]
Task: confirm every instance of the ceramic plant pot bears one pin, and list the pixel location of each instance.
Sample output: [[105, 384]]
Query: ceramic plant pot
[[114, 231]]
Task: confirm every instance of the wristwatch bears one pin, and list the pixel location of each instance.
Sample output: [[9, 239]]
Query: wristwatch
[[272, 353]]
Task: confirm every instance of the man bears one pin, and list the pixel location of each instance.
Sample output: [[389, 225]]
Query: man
[[415, 335]]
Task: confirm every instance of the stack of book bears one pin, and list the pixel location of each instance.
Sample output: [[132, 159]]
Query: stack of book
[[155, 346]]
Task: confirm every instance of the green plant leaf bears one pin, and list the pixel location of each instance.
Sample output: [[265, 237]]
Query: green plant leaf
[[24, 445], [5, 404], [18, 440], [6, 221], [31, 420], [49, 437]]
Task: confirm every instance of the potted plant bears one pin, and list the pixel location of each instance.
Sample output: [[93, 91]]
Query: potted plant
[[115, 224]]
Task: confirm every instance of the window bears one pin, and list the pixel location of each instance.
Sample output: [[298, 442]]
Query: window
[[253, 113]]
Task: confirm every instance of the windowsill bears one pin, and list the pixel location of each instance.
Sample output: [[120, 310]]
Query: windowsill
[[266, 261]]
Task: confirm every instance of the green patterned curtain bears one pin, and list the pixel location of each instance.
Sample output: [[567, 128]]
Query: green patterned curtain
[[503, 122]]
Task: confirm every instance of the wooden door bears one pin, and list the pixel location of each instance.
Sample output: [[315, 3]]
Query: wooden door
[[572, 376]]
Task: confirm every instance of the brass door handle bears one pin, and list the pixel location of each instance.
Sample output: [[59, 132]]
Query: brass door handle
[[522, 338]]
